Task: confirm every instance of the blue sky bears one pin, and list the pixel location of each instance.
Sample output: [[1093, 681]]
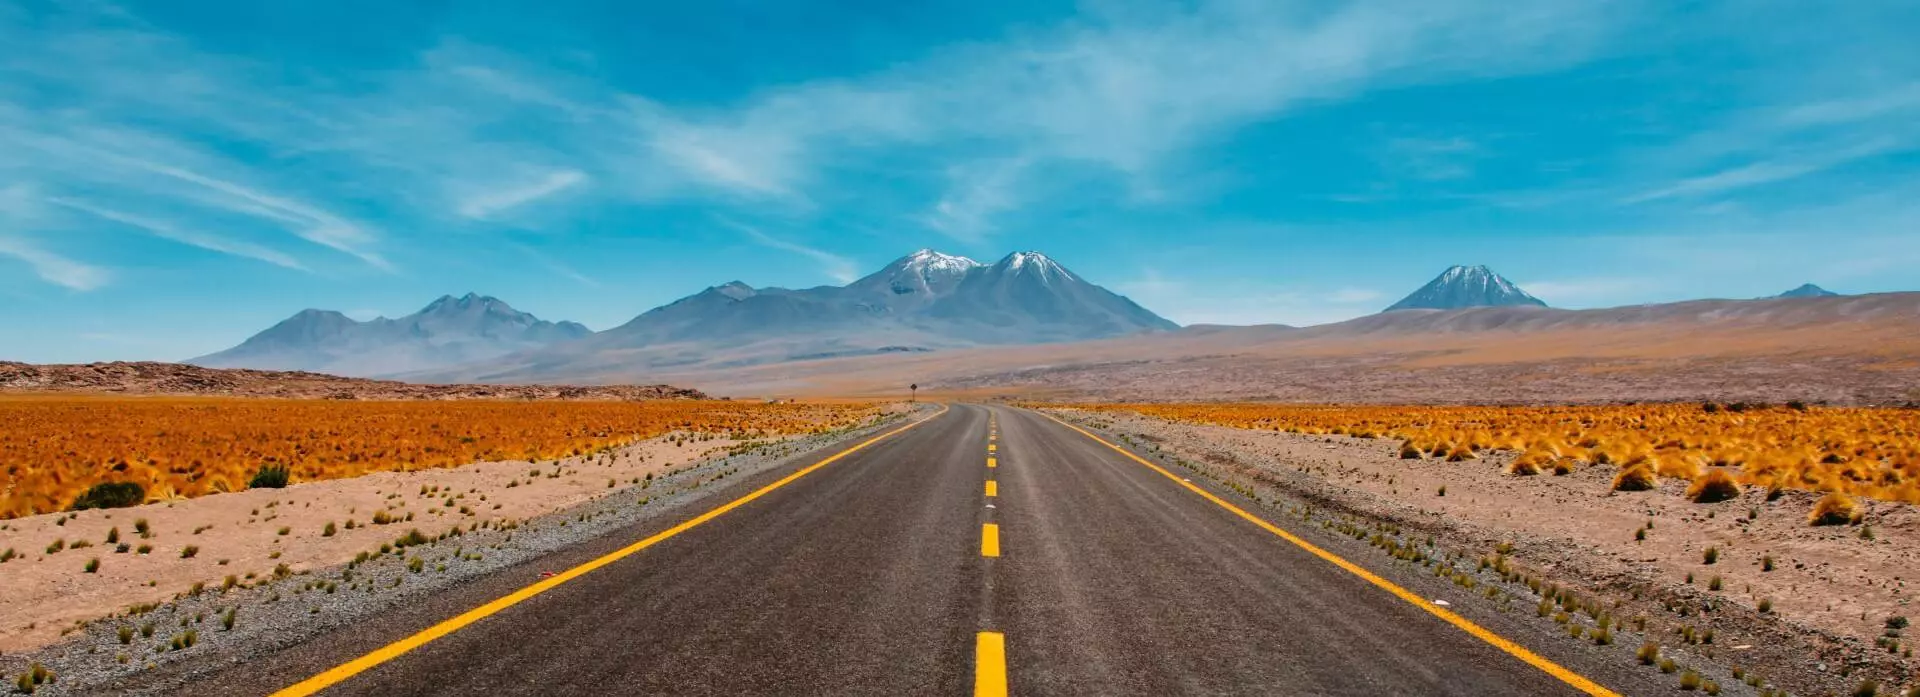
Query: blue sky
[[175, 176]]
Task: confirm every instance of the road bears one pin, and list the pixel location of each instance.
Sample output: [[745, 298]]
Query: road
[[878, 574]]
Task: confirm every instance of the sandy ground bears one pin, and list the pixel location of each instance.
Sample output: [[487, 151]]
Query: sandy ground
[[248, 534], [1831, 589]]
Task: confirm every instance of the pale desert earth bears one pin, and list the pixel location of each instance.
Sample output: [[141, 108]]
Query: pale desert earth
[[239, 533], [1831, 590]]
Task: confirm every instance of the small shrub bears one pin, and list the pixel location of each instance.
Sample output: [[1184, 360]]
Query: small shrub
[[189, 551], [1690, 680], [143, 549], [1765, 606], [113, 535], [141, 527], [93, 565], [1710, 556], [1523, 467], [125, 634], [1713, 584], [1713, 486], [284, 530], [1834, 509], [1442, 491], [227, 620], [270, 477], [1639, 534], [1668, 666], [1635, 478], [1867, 688], [1766, 563], [111, 495], [1648, 654], [329, 530]]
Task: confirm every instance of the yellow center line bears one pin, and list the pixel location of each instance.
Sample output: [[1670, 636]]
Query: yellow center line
[[992, 448], [989, 540], [992, 462], [395, 649], [990, 665], [993, 488], [1575, 680]]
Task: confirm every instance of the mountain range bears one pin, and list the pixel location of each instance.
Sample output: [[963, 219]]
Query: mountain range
[[922, 302], [447, 331]]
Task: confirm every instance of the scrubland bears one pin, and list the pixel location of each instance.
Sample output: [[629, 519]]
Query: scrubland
[[1768, 545], [1716, 448], [56, 448]]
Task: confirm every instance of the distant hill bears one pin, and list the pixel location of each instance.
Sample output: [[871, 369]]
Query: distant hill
[[922, 302], [148, 378], [1808, 290], [446, 332], [1462, 287]]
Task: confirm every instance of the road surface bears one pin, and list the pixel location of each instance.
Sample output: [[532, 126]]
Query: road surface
[[912, 567]]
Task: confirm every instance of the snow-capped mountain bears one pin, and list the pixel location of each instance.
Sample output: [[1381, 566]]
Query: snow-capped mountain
[[924, 301], [1466, 286], [1807, 290], [446, 332]]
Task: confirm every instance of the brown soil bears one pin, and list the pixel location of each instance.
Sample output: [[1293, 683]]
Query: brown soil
[[1831, 590], [148, 378], [238, 534]]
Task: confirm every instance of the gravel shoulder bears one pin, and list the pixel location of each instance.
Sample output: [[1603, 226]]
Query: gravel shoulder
[[141, 639], [1829, 593]]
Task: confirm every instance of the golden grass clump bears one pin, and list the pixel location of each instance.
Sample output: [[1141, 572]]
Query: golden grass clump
[[1713, 486], [1635, 478], [1861, 452], [1834, 509], [53, 448]]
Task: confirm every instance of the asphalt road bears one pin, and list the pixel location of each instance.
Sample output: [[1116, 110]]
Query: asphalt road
[[873, 575]]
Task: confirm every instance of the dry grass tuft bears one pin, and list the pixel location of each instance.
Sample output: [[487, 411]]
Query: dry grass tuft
[[1834, 509], [1635, 478], [1713, 486]]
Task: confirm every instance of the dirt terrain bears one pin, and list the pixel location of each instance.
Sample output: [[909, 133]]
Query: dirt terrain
[[148, 378], [1831, 594], [1854, 350]]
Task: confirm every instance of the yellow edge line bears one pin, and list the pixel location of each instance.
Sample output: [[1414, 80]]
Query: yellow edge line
[[1576, 680], [990, 665], [395, 649]]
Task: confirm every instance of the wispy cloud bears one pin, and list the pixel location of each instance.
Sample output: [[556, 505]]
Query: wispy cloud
[[837, 267], [54, 268], [979, 191], [485, 204], [171, 232]]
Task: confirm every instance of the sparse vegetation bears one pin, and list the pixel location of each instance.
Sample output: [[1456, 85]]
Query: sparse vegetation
[[189, 551], [1834, 509], [110, 495], [199, 446]]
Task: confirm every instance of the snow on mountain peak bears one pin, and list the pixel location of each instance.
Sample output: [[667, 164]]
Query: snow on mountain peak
[[931, 260]]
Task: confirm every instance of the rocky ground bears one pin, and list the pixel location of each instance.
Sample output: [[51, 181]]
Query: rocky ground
[[1789, 605], [286, 588], [149, 378]]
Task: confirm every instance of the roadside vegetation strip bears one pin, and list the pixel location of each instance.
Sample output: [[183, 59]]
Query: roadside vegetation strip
[[396, 649], [1856, 451], [1572, 679], [67, 452]]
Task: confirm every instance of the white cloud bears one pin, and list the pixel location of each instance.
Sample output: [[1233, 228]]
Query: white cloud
[[172, 232], [837, 267], [485, 204], [978, 192], [54, 268]]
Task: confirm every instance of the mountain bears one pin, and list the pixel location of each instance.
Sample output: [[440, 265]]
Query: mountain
[[1466, 286], [446, 332], [924, 301], [1808, 290]]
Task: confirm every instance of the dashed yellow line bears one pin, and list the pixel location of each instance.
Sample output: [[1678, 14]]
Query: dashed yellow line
[[993, 488], [1575, 680], [992, 462], [989, 540], [394, 650], [991, 447], [990, 665]]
